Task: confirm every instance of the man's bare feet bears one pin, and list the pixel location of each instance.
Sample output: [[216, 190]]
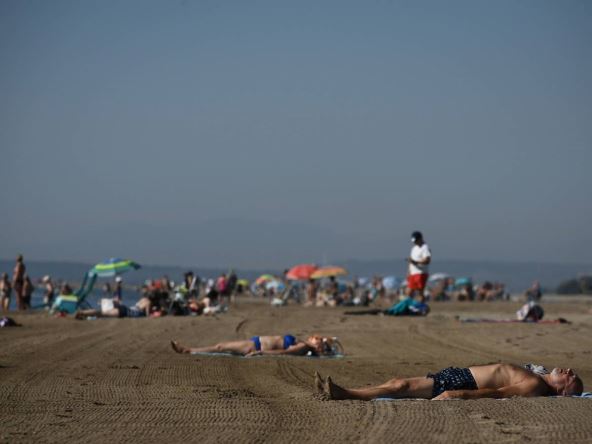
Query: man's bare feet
[[178, 347], [334, 391], [319, 384]]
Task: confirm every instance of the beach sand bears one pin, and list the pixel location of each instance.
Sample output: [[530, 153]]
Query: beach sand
[[118, 379]]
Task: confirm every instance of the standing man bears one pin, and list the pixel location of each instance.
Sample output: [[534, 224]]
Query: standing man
[[419, 259], [49, 294], [118, 292]]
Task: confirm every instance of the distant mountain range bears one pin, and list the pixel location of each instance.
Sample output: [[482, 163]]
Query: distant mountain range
[[516, 275]]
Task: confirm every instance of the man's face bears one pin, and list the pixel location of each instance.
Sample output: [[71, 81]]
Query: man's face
[[566, 381]]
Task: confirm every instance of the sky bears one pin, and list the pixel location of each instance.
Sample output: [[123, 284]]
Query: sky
[[267, 133]]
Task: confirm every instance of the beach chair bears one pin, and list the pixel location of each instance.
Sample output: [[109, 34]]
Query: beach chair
[[69, 303]]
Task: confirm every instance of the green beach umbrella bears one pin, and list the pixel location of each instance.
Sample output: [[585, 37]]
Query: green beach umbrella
[[114, 266]]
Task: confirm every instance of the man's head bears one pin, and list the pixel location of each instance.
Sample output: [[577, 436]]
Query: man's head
[[417, 237], [565, 382]]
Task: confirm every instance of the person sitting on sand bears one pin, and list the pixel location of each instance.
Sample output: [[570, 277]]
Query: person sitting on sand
[[140, 309], [268, 345], [533, 293], [481, 381]]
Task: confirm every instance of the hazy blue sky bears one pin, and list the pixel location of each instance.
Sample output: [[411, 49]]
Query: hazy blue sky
[[264, 133]]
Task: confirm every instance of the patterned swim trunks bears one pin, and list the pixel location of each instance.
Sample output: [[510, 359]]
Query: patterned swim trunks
[[452, 378]]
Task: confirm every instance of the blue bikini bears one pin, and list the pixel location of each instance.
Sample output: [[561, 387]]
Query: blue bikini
[[289, 340], [257, 342]]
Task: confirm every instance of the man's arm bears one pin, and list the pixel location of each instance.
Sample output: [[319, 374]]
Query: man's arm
[[526, 388], [425, 261]]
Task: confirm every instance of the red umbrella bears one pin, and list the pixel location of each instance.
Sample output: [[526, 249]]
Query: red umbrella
[[301, 272]]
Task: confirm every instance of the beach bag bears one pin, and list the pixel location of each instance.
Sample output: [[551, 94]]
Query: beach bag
[[530, 312], [408, 306]]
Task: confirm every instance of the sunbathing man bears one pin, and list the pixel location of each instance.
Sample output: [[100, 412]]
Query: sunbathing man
[[268, 345], [119, 310], [481, 381]]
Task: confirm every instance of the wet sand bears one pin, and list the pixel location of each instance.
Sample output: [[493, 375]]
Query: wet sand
[[118, 379]]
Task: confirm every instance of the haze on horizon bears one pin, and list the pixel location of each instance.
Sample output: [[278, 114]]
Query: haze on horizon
[[262, 134]]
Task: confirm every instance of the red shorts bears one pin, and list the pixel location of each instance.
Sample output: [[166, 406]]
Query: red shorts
[[417, 281]]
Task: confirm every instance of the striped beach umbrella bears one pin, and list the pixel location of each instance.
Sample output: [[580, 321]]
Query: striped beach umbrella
[[328, 271], [265, 278], [114, 266]]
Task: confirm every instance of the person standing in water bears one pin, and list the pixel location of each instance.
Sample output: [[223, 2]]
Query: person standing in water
[[18, 281], [118, 292], [49, 294], [28, 289], [5, 292]]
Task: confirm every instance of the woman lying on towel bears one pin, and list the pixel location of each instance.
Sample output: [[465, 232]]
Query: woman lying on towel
[[270, 345]]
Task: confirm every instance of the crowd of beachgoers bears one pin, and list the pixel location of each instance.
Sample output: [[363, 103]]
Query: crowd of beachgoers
[[207, 296]]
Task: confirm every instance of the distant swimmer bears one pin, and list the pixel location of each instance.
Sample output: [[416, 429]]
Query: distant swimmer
[[481, 381], [269, 345]]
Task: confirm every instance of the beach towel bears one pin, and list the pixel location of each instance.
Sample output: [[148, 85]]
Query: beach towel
[[506, 321], [233, 355], [585, 395]]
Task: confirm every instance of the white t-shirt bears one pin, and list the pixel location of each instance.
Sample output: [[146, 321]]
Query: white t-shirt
[[419, 254]]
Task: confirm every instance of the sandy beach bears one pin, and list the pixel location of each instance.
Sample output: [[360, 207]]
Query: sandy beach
[[118, 379]]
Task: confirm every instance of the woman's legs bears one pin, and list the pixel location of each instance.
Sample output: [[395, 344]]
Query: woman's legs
[[395, 388], [239, 347], [18, 291]]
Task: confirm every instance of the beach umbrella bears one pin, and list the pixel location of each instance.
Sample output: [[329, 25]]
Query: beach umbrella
[[243, 283], [328, 271], [264, 278], [114, 267], [438, 277], [391, 282], [301, 272], [462, 281]]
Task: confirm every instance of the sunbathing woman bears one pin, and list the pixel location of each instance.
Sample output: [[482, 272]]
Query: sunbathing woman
[[270, 345]]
